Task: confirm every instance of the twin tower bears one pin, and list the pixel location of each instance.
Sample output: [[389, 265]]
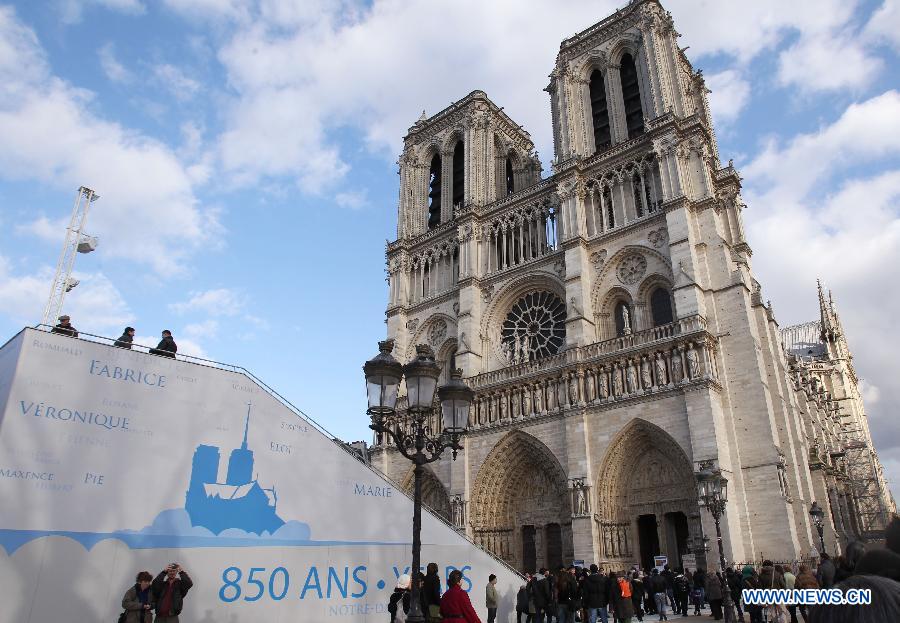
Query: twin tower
[[608, 319]]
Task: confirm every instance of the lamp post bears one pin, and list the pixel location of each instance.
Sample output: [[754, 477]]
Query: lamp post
[[712, 491], [413, 441], [818, 517]]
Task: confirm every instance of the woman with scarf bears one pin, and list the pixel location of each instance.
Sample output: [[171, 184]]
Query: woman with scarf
[[138, 600]]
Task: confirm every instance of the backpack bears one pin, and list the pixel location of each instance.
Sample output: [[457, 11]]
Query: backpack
[[625, 587]]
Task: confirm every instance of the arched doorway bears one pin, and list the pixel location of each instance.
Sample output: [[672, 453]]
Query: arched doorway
[[520, 505], [645, 495], [434, 495]]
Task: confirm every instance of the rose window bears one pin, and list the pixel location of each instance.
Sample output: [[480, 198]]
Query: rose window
[[535, 327]]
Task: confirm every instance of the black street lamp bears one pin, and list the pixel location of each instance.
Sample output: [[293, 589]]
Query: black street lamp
[[383, 375], [712, 491], [818, 517]]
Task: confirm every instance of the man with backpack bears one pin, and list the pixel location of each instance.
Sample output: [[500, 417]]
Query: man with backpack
[[596, 596]]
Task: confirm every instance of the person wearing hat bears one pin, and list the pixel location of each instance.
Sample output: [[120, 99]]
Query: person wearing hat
[[126, 339], [398, 605], [65, 327]]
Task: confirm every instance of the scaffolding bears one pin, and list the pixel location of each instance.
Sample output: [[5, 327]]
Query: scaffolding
[[809, 344], [76, 242]]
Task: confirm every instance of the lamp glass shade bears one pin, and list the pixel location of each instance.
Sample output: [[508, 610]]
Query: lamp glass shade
[[383, 374], [421, 378], [456, 400], [816, 513]]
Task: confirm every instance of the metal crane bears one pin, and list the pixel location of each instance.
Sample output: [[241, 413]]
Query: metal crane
[[76, 242]]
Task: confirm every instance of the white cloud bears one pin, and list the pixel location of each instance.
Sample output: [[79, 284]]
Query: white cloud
[[72, 11], [865, 132], [96, 306], [353, 199], [814, 214], [884, 25], [828, 61], [111, 66], [221, 302], [176, 81], [147, 212], [730, 93]]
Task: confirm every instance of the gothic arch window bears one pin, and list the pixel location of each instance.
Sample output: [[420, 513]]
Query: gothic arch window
[[459, 174], [624, 319], [637, 194], [610, 211], [631, 96], [661, 307], [434, 192], [599, 111], [535, 327], [510, 180]]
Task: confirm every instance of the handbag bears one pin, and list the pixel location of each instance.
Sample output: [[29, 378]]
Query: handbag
[[434, 611], [123, 616]]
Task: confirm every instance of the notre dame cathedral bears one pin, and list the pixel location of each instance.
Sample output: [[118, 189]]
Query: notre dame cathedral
[[609, 321]]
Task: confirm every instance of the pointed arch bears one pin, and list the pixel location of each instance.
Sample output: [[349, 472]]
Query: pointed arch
[[434, 494], [521, 484], [645, 473]]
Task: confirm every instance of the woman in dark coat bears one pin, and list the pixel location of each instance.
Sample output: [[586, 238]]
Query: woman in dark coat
[[620, 595]]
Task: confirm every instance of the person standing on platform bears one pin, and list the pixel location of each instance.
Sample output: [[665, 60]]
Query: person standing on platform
[[166, 347], [620, 598], [455, 604], [542, 595], [523, 600], [596, 596], [399, 601], [491, 598], [65, 327], [169, 589], [126, 339], [138, 600]]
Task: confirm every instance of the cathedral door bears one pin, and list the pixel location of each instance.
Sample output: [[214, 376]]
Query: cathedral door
[[554, 547], [529, 550], [648, 539]]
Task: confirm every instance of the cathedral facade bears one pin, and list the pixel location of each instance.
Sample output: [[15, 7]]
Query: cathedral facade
[[609, 322]]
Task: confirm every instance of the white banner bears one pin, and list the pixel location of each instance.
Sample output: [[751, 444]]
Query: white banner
[[114, 462]]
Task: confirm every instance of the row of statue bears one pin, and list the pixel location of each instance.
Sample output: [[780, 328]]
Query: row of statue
[[607, 382]]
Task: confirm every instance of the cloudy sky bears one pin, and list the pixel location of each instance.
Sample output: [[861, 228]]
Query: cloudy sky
[[245, 150]]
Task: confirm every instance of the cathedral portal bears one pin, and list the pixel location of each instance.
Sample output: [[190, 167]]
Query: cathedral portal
[[520, 509], [646, 493]]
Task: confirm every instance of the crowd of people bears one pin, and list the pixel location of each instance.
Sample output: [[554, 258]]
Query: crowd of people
[[575, 594], [166, 347]]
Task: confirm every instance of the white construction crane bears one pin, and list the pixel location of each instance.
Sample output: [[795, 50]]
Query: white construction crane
[[76, 242]]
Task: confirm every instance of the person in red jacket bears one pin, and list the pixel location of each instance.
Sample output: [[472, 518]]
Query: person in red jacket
[[455, 604]]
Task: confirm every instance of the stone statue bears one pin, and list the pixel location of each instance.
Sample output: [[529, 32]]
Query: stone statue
[[646, 376], [539, 399], [660, 370], [573, 390], [526, 401], [630, 378], [693, 359], [626, 320], [589, 387], [503, 407], [617, 382], [509, 352], [457, 512], [552, 395], [677, 372], [604, 384], [581, 508]]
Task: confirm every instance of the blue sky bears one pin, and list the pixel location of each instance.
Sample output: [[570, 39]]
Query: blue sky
[[245, 150]]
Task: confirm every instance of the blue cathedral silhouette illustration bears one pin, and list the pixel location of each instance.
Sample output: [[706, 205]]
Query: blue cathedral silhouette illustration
[[238, 503]]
